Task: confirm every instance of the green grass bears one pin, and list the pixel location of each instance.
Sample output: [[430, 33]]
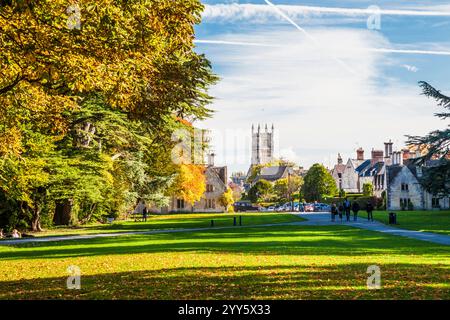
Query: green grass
[[174, 221], [427, 221], [282, 262]]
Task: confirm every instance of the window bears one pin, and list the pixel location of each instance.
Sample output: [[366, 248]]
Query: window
[[210, 204], [180, 204], [405, 187], [435, 203], [209, 188]]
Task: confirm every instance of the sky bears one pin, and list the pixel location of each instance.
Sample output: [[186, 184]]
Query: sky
[[331, 76]]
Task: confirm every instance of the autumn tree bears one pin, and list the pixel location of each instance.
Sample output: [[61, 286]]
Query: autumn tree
[[68, 72], [190, 184], [284, 188], [227, 199]]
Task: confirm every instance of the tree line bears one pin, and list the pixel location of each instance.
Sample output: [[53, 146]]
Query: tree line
[[87, 110]]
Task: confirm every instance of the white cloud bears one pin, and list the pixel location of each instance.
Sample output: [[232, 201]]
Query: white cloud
[[317, 106], [410, 68]]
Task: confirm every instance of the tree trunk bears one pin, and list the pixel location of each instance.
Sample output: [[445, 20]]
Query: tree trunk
[[36, 220], [63, 213]]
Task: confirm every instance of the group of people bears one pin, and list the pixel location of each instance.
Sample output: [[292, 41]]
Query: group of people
[[347, 207], [14, 234]]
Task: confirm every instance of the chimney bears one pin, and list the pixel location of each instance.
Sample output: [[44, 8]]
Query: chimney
[[360, 154], [388, 148], [211, 159], [339, 159], [377, 156]]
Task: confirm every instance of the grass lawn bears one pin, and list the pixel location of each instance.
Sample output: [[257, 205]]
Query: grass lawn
[[282, 262], [173, 221], [428, 221]]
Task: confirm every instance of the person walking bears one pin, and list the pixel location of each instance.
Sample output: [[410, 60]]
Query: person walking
[[144, 214], [333, 212], [340, 211], [355, 209], [369, 209], [347, 208]]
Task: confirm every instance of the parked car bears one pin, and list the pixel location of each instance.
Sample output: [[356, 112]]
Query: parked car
[[309, 207], [245, 206], [271, 209], [321, 207]]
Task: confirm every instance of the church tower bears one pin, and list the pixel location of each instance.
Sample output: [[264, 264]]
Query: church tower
[[262, 145]]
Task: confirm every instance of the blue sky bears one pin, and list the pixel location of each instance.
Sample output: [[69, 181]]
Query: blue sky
[[324, 87]]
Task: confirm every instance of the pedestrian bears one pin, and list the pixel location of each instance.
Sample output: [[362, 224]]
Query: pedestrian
[[1, 234], [369, 209], [144, 214], [340, 211], [347, 208], [333, 212], [355, 209]]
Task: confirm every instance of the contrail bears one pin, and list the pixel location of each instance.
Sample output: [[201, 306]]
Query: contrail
[[236, 43], [248, 11], [385, 50], [311, 38]]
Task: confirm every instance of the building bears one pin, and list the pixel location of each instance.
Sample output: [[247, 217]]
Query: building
[[274, 173], [216, 185], [238, 178], [347, 176], [404, 189], [262, 145]]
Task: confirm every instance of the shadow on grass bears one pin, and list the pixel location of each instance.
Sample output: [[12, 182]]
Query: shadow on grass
[[286, 240], [347, 281]]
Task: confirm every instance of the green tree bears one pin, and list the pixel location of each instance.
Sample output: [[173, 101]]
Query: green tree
[[318, 183], [368, 189], [262, 190], [435, 145]]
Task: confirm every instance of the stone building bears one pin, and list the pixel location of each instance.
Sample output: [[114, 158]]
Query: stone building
[[403, 187], [262, 145], [347, 175], [216, 185]]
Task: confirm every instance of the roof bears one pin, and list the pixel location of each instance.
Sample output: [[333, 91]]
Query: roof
[[339, 168], [220, 174], [363, 166], [373, 170], [273, 173]]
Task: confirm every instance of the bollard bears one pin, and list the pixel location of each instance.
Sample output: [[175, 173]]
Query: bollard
[[240, 220], [212, 223], [234, 221]]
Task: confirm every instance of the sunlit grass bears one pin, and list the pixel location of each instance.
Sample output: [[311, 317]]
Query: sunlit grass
[[427, 221], [172, 221], [285, 262]]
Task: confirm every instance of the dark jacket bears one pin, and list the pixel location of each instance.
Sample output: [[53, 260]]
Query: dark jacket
[[355, 207], [369, 207]]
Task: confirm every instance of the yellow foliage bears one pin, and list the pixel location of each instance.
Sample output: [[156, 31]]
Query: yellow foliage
[[191, 182]]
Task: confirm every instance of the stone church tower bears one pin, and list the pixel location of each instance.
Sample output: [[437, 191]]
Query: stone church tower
[[262, 145]]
